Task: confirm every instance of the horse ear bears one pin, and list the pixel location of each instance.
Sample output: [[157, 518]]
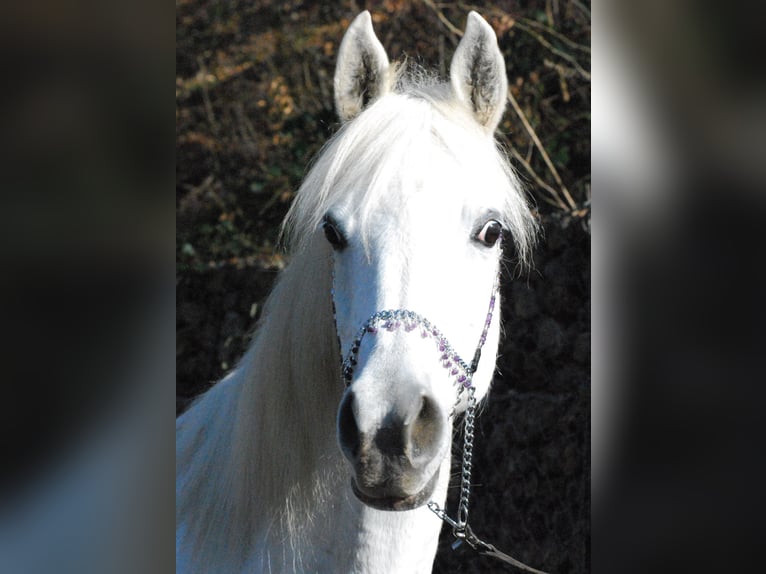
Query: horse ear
[[477, 73], [361, 74]]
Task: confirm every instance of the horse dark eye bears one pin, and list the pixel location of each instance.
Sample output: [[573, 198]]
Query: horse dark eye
[[333, 235], [490, 233]]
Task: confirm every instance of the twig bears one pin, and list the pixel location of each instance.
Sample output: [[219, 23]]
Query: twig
[[559, 35], [563, 73], [556, 201], [568, 57], [582, 7], [439, 14], [206, 97], [541, 149], [246, 128], [549, 11]]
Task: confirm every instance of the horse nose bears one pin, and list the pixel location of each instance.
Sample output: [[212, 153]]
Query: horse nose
[[410, 431]]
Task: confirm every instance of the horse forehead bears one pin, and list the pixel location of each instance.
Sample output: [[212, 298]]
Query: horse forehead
[[410, 206]]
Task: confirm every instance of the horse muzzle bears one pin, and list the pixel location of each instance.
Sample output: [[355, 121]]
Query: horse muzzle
[[395, 458]]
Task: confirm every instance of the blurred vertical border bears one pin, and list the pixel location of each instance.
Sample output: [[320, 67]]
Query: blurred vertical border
[[679, 117], [87, 304]]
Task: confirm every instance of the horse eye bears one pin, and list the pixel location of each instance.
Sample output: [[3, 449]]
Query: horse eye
[[333, 235], [490, 233]]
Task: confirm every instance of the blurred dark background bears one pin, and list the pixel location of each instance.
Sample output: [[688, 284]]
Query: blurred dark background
[[254, 105]]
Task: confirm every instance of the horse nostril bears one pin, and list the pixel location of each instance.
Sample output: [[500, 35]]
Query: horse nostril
[[425, 430], [348, 430]]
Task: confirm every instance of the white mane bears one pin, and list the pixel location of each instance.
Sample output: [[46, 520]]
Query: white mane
[[286, 382]]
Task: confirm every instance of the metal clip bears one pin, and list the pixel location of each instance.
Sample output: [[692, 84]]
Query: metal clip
[[460, 530], [436, 509]]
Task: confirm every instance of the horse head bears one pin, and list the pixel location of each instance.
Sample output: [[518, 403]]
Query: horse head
[[416, 202]]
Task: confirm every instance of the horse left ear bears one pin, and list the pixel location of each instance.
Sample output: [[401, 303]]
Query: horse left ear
[[477, 73], [361, 74]]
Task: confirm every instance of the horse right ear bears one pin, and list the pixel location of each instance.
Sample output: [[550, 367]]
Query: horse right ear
[[361, 74]]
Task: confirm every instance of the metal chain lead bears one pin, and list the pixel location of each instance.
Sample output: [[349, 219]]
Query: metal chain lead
[[467, 464], [460, 525]]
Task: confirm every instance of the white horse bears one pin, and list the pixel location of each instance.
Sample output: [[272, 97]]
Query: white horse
[[395, 238]]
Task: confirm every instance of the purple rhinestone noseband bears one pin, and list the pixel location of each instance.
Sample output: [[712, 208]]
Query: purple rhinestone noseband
[[391, 320]]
